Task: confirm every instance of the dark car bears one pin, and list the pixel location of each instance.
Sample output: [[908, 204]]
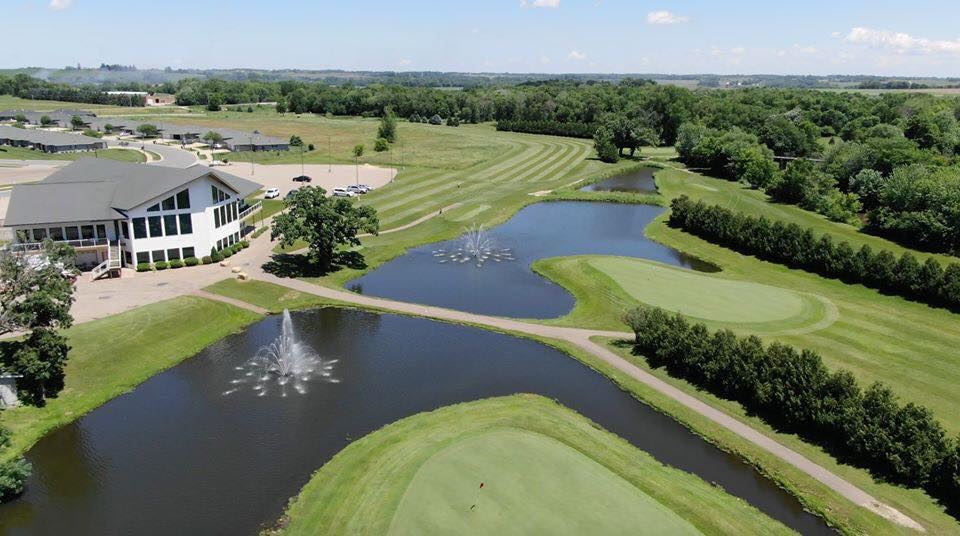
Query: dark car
[[291, 193], [302, 178]]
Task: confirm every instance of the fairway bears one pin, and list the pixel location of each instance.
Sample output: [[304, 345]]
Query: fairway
[[546, 470], [711, 298], [529, 480]]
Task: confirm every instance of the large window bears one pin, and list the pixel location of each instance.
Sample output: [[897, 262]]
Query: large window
[[139, 227], [56, 233], [216, 218], [73, 233], [214, 197], [186, 224], [143, 257], [39, 235], [183, 200], [86, 231], [158, 256], [223, 214], [170, 224], [154, 208], [173, 254], [188, 252], [156, 228], [169, 204], [101, 231]]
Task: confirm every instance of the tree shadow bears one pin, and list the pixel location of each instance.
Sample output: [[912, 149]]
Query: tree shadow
[[295, 265]]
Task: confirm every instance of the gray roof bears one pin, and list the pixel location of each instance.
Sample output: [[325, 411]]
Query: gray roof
[[239, 137], [46, 137], [98, 189], [61, 116]]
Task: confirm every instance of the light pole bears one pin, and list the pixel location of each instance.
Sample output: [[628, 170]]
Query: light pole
[[329, 154]]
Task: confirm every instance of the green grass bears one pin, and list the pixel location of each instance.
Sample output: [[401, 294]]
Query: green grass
[[619, 283], [545, 468], [111, 356], [10, 102], [271, 297], [22, 153]]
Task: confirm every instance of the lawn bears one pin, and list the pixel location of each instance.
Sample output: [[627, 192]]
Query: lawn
[[10, 102], [271, 297], [21, 153], [112, 355], [545, 469]]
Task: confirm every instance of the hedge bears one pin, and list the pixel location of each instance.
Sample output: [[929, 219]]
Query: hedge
[[176, 263], [191, 261], [160, 265], [796, 247], [144, 267], [554, 128], [794, 391]]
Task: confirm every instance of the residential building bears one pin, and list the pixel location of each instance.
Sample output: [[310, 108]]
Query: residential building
[[130, 213], [47, 141]]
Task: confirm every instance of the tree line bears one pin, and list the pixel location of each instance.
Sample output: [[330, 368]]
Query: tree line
[[551, 128], [793, 390], [26, 87], [796, 247]]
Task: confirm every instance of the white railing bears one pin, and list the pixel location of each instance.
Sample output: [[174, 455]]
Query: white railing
[[250, 210], [104, 267], [80, 243]]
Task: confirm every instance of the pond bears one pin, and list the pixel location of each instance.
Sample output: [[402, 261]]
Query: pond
[[178, 456], [640, 181], [507, 286]]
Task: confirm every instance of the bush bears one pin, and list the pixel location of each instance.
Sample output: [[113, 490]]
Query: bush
[[13, 473], [244, 244], [310, 147], [144, 267], [453, 121], [259, 231], [226, 253], [206, 259], [794, 391], [793, 246], [160, 265], [176, 263], [191, 261], [381, 145], [436, 119]]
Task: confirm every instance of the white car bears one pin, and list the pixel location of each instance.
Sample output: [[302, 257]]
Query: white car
[[343, 192], [356, 189], [365, 188], [271, 193]]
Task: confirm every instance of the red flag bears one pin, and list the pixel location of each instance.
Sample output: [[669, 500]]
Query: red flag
[[481, 485]]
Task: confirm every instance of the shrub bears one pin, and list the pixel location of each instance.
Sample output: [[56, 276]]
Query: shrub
[[144, 267], [176, 263], [206, 259], [13, 473], [310, 147], [160, 265], [226, 253], [435, 119], [453, 121], [259, 231], [381, 145], [244, 244], [191, 261]]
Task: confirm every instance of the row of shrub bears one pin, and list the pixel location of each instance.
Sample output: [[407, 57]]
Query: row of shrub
[[797, 247], [215, 256], [553, 128], [794, 391]]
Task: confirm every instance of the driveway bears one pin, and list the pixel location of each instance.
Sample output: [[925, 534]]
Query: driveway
[[171, 156], [329, 177]]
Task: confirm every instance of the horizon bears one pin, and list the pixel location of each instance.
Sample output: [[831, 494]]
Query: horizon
[[506, 36]]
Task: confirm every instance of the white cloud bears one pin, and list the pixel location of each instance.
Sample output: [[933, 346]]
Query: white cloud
[[59, 5], [665, 17], [901, 42], [405, 62], [540, 3], [576, 55]]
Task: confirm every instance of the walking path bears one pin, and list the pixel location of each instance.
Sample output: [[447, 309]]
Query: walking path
[[232, 301]]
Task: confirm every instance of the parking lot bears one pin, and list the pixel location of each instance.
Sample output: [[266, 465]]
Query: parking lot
[[329, 177]]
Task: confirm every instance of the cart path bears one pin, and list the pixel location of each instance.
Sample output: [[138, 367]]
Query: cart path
[[582, 339]]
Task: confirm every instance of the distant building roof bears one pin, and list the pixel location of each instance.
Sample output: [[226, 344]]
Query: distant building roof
[[47, 137], [93, 189]]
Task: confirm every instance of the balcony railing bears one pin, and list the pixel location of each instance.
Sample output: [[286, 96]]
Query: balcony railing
[[250, 210], [79, 243]]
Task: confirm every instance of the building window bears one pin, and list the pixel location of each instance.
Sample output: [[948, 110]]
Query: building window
[[143, 257], [216, 217], [158, 256], [86, 231], [235, 213], [139, 227], [101, 231], [124, 230], [223, 214], [56, 233], [39, 235], [219, 245], [188, 252], [169, 204], [154, 208], [170, 224], [156, 228], [173, 254], [186, 224], [183, 200], [73, 233], [213, 194]]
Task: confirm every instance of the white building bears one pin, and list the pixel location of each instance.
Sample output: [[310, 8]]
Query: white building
[[122, 214]]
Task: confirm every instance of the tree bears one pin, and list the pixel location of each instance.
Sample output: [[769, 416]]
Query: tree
[[13, 473], [20, 118], [46, 121], [603, 143], [76, 122], [325, 223], [108, 128], [295, 141], [214, 102], [388, 126], [147, 130], [381, 145], [281, 107], [453, 121], [213, 138]]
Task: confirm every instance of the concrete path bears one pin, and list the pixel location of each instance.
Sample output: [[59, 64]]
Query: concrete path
[[232, 301]]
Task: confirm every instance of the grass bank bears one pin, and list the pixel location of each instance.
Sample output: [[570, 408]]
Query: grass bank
[[21, 153], [379, 483], [113, 355]]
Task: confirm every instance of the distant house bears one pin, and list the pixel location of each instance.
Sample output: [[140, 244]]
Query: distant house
[[48, 142], [237, 141], [59, 117], [161, 99], [126, 214]]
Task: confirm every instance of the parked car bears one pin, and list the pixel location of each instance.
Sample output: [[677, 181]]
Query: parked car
[[356, 189], [302, 178], [343, 192], [271, 193], [366, 188], [290, 193]]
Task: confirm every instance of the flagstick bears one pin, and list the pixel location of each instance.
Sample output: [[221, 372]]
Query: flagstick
[[476, 499]]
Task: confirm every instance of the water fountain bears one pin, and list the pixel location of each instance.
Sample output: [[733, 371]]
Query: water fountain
[[284, 363], [477, 246]]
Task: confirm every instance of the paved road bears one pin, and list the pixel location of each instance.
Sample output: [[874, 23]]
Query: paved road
[[172, 156]]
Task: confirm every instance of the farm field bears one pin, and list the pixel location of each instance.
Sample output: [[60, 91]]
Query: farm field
[[379, 483]]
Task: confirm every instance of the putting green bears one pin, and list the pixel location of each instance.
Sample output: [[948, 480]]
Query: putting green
[[708, 297], [532, 484]]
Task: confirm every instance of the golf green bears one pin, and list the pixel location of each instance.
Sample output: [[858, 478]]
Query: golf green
[[532, 484], [708, 297]]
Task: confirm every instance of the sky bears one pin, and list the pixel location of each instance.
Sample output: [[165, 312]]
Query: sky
[[917, 38]]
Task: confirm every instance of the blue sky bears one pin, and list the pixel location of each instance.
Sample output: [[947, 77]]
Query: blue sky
[[811, 37]]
